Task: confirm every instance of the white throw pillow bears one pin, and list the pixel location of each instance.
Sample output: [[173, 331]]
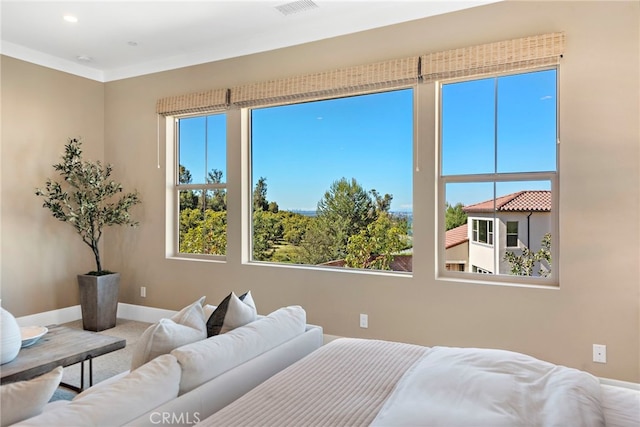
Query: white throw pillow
[[26, 399], [204, 360], [121, 402], [185, 327], [232, 313]]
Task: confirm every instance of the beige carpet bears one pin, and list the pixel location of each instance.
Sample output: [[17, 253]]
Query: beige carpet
[[107, 365]]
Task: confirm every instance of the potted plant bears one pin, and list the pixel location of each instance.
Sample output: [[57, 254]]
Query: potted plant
[[89, 200]]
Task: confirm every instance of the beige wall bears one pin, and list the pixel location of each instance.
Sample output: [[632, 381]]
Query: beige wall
[[41, 108], [598, 298]]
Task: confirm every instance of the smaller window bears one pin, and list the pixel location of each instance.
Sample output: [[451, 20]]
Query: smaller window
[[476, 269], [483, 231], [512, 234]]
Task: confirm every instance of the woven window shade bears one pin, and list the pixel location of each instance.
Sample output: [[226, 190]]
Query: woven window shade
[[346, 81], [510, 55], [199, 102]]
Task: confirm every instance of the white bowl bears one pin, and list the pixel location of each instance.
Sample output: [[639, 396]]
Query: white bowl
[[31, 334]]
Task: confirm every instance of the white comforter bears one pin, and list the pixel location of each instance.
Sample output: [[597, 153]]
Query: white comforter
[[481, 387]]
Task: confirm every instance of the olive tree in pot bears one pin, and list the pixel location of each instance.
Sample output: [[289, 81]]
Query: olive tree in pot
[[89, 200]]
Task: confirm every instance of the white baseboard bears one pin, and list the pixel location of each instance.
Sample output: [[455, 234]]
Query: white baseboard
[[69, 314], [142, 313], [53, 317]]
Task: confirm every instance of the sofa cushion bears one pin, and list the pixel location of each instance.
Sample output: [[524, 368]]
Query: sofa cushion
[[186, 326], [232, 313], [204, 360], [142, 390], [26, 399]]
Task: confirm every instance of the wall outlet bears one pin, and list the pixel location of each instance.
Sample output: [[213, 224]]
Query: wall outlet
[[143, 291], [364, 321], [600, 353]]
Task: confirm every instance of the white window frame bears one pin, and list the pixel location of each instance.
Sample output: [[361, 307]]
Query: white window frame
[[552, 176], [507, 234], [476, 231], [172, 244]]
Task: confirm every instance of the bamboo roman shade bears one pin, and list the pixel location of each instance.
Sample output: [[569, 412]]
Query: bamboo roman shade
[[352, 80], [511, 55], [199, 102]]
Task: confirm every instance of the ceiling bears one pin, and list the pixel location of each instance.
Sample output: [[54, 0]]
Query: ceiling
[[116, 39]]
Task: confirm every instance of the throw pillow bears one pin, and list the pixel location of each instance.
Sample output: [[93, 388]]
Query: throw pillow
[[185, 327], [26, 399], [122, 401], [232, 313]]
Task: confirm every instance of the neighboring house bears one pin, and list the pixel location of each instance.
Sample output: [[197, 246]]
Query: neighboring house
[[517, 220], [457, 249]]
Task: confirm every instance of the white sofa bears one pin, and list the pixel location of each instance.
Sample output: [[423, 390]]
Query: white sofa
[[194, 380]]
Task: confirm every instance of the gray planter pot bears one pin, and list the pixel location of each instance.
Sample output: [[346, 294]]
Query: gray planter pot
[[99, 301]]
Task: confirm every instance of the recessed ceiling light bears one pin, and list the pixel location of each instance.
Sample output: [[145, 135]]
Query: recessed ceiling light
[[84, 58], [70, 18], [132, 43]]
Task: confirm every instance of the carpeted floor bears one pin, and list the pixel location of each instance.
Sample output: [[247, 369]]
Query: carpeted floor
[[107, 365]]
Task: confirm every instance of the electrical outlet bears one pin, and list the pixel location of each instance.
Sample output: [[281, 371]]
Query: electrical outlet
[[600, 353], [364, 321], [143, 291]]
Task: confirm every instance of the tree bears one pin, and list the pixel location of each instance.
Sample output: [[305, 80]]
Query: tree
[[345, 209], [454, 216], [87, 198], [523, 265], [375, 246], [188, 198], [203, 234], [267, 230], [218, 201], [260, 202]]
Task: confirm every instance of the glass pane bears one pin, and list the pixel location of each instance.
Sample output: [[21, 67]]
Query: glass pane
[[217, 148], [202, 149], [468, 127], [510, 232], [527, 122], [203, 222], [191, 149], [332, 182]]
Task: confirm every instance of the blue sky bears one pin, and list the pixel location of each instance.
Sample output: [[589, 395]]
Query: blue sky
[[302, 149]]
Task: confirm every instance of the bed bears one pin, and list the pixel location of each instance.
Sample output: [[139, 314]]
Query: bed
[[354, 382]]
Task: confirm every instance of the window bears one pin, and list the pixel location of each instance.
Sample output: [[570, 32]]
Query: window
[[483, 231], [512, 234], [498, 162], [332, 182], [200, 185]]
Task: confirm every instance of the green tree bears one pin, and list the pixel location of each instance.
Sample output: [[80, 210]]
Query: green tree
[[203, 234], [524, 264], [188, 198], [218, 200], [295, 226], [455, 216], [267, 230], [376, 246], [345, 209], [260, 202]]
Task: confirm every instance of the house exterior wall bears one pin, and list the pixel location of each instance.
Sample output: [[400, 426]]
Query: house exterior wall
[[458, 254]]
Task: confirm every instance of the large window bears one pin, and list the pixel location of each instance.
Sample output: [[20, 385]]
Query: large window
[[201, 185], [332, 182], [498, 167]]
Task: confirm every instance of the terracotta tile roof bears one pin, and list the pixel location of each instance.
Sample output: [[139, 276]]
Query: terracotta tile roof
[[455, 236], [522, 201]]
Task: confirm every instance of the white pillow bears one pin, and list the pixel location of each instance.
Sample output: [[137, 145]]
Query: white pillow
[[185, 327], [26, 399], [204, 360], [232, 313], [141, 391]]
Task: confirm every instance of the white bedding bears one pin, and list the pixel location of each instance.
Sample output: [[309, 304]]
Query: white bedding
[[354, 382], [481, 387]]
